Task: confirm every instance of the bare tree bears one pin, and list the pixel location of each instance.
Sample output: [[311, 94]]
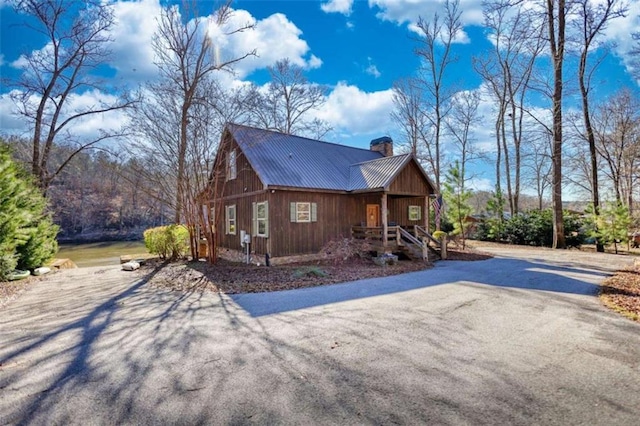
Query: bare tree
[[434, 50], [539, 165], [464, 115], [408, 101], [77, 38], [180, 121], [593, 19], [186, 57], [288, 101], [517, 38], [617, 134], [556, 26]]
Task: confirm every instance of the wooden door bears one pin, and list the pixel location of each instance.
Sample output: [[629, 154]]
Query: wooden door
[[373, 215]]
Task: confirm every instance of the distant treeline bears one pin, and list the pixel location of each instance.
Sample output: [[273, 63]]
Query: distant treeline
[[99, 197]]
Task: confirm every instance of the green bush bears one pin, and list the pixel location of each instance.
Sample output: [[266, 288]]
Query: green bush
[[27, 234], [40, 246], [169, 242], [534, 228]]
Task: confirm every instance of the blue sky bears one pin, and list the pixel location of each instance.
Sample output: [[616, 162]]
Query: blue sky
[[356, 48]]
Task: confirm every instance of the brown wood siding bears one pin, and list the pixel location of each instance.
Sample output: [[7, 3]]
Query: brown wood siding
[[410, 181], [337, 213], [247, 180], [399, 210], [244, 212]]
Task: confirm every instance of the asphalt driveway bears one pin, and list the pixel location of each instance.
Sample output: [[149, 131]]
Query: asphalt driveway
[[519, 339]]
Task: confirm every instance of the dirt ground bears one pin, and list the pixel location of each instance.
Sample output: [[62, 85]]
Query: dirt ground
[[12, 289], [230, 278]]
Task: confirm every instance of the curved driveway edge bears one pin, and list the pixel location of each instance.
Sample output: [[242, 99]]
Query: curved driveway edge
[[518, 339]]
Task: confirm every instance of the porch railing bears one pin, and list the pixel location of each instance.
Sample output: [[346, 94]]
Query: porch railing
[[420, 242]]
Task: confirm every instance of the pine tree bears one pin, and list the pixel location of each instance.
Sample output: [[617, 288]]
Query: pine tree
[[611, 226], [457, 200], [27, 234]]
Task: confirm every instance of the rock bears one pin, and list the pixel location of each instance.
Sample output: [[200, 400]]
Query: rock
[[130, 266], [41, 270], [385, 259], [63, 264]]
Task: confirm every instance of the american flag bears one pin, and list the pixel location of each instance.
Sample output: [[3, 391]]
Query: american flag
[[438, 204]]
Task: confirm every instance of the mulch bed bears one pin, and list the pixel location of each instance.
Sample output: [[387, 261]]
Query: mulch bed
[[621, 293], [228, 277]]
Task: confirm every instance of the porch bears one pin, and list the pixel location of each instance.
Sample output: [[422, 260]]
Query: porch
[[415, 241]]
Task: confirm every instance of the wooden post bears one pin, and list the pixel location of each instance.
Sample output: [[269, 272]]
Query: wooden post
[[426, 213], [385, 220], [425, 249], [443, 248]]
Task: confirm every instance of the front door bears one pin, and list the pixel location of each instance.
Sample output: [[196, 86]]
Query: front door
[[373, 215]]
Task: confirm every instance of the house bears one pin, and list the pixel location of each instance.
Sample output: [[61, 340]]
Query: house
[[290, 195]]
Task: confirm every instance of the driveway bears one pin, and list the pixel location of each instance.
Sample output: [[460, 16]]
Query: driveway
[[518, 339]]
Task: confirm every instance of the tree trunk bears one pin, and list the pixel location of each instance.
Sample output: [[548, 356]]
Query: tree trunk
[[557, 55], [595, 196]]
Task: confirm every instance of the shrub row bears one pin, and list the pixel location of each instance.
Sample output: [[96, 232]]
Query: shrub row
[[534, 228]]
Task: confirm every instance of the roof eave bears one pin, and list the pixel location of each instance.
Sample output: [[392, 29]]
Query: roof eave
[[304, 189]]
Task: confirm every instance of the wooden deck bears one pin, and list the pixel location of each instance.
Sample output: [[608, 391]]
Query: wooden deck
[[414, 241]]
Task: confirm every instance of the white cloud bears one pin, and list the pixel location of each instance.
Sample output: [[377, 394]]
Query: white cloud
[[83, 129], [274, 37], [43, 55], [135, 24], [9, 120], [314, 62], [349, 109], [90, 126], [337, 6], [408, 11], [619, 32], [373, 70]]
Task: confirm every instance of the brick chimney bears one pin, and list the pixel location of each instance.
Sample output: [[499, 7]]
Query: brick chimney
[[383, 145]]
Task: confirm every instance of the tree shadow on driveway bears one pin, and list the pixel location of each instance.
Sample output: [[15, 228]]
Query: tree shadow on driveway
[[138, 355], [69, 321], [500, 272]]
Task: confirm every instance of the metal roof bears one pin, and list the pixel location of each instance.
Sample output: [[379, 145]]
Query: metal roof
[[376, 173], [293, 161]]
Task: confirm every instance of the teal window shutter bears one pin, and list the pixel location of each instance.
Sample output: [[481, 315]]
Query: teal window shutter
[[293, 212], [254, 219], [314, 212]]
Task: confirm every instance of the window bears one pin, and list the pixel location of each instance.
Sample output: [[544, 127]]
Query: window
[[232, 169], [304, 212], [230, 219], [261, 219], [415, 212]]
